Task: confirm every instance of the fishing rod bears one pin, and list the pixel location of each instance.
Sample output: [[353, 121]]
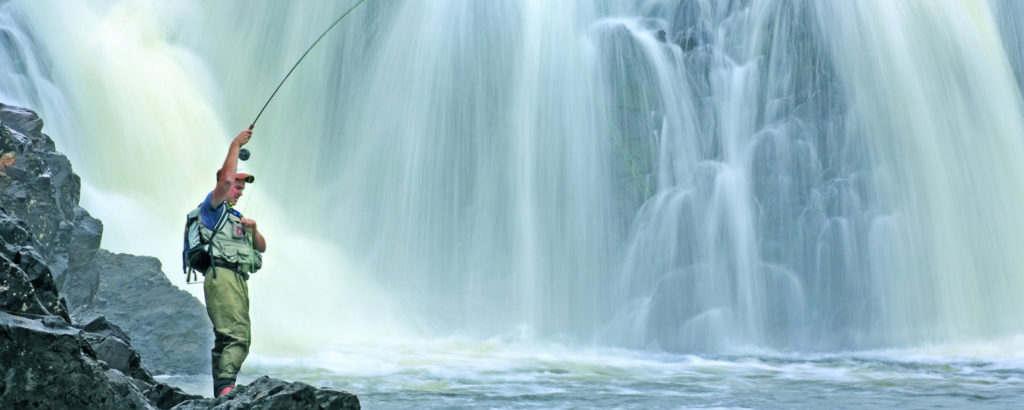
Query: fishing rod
[[243, 154]]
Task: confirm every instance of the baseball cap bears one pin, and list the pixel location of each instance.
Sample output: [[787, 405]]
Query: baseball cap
[[244, 175], [240, 174]]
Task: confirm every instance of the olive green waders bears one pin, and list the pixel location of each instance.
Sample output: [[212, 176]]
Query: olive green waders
[[227, 303]]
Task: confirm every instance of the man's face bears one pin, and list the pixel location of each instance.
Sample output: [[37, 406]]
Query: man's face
[[236, 191]]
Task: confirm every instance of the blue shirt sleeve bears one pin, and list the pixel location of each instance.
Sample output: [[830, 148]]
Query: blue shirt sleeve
[[209, 213]]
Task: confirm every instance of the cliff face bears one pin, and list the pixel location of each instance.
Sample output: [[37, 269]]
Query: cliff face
[[49, 358], [27, 286], [38, 187], [81, 327], [168, 326]]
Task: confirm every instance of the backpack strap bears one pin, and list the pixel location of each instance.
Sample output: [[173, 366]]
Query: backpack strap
[[223, 220], [191, 276]]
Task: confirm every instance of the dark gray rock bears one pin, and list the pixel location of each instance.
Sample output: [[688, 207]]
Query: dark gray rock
[[37, 184], [14, 231], [117, 353], [38, 187], [101, 326], [85, 238], [20, 119], [274, 394], [167, 325], [46, 363], [113, 346], [26, 286], [16, 291], [165, 397], [51, 366]]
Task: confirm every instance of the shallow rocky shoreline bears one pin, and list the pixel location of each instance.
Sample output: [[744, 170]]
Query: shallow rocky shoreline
[[81, 327]]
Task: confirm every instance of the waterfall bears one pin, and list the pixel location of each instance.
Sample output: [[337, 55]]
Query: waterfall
[[695, 176], [938, 109]]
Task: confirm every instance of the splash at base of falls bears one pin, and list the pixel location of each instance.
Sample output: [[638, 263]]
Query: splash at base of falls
[[500, 374]]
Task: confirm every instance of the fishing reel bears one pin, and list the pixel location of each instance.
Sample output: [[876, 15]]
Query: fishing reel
[[243, 154]]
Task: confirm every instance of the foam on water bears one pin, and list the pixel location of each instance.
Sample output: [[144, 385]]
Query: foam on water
[[460, 373]]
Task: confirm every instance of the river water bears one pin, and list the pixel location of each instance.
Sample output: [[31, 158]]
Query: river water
[[526, 203], [495, 374]]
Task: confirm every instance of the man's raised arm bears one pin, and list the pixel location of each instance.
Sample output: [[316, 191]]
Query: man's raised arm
[[226, 175]]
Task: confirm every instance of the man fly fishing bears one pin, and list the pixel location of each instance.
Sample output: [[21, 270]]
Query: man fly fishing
[[233, 251], [236, 251]]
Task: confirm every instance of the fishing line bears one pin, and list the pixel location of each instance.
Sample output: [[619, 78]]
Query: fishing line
[[243, 153], [253, 124]]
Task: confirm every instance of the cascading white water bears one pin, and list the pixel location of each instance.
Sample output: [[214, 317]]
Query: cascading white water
[[682, 175], [940, 112]]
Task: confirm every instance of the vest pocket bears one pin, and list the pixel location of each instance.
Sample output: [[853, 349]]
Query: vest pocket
[[257, 261], [233, 253], [241, 255]]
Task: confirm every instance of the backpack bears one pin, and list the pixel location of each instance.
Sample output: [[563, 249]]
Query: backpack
[[196, 255]]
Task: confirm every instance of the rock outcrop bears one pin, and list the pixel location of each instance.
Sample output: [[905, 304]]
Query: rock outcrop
[[26, 285], [167, 325], [269, 393], [50, 365], [38, 187], [45, 362]]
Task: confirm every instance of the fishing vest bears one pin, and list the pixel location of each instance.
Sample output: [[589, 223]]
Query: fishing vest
[[232, 247]]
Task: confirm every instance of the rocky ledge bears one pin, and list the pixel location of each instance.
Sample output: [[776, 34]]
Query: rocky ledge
[[38, 187], [77, 322], [269, 393], [48, 364]]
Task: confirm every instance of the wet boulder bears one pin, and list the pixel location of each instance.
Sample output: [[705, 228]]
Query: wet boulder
[[269, 393], [133, 292], [49, 364]]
